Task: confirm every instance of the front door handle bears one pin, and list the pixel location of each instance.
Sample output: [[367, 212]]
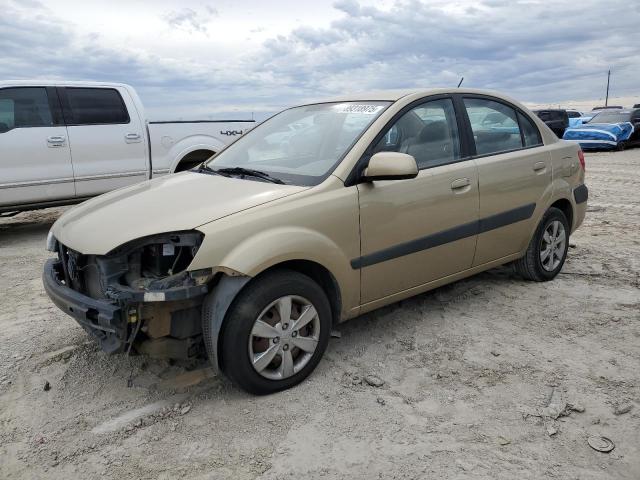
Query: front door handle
[[132, 138], [56, 141], [460, 183], [539, 167]]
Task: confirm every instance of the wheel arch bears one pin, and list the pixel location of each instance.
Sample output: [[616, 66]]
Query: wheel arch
[[319, 274], [565, 206], [186, 146], [228, 287], [559, 201], [193, 158]]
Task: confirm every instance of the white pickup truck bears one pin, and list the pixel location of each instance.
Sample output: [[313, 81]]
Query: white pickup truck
[[64, 142]]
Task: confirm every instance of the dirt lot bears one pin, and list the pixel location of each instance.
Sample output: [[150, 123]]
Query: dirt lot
[[474, 374]]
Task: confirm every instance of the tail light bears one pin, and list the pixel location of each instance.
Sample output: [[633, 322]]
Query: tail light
[[581, 158]]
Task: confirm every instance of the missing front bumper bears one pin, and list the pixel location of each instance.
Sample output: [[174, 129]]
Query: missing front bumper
[[102, 319], [116, 322]]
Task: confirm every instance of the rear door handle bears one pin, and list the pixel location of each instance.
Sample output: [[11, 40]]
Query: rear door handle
[[539, 167], [132, 138], [460, 183], [56, 141]]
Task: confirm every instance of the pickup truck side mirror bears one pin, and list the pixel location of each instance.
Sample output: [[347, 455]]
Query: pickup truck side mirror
[[391, 166]]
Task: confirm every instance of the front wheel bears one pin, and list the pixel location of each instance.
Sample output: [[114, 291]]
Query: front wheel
[[548, 248], [276, 332]]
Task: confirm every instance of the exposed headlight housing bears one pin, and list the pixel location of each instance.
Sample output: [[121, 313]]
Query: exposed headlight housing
[[157, 261]]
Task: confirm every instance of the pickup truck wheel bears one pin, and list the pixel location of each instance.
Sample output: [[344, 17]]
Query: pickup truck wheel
[[276, 332], [548, 248]]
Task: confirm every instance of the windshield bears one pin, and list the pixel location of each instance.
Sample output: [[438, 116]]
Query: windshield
[[610, 117], [302, 145]]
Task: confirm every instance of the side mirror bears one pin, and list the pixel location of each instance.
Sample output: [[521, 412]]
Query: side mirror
[[391, 166]]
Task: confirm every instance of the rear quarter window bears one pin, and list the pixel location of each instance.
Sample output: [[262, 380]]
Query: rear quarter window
[[530, 132]]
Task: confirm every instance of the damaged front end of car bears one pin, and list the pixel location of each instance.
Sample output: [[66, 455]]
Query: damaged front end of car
[[138, 297]]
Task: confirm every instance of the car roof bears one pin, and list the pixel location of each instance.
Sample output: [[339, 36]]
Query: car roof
[[395, 95], [53, 83]]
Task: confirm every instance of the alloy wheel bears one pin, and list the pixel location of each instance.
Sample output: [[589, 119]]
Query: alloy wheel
[[553, 245], [284, 337]]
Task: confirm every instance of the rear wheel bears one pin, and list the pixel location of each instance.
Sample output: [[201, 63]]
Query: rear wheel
[[548, 248], [276, 332]]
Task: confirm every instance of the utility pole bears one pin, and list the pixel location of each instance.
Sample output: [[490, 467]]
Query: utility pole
[[606, 101]]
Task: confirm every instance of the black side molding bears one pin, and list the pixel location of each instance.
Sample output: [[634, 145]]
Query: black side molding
[[417, 245], [446, 236], [581, 193]]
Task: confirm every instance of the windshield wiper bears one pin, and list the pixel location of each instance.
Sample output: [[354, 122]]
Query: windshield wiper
[[249, 172], [204, 168]]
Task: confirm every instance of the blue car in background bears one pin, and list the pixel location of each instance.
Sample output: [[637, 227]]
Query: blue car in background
[[608, 130]]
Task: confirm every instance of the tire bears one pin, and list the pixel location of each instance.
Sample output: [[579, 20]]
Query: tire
[[534, 265], [621, 146], [263, 299]]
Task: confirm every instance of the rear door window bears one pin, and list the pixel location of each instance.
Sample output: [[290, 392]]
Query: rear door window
[[24, 107], [94, 106], [494, 125]]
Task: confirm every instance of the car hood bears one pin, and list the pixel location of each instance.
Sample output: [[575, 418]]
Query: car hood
[[182, 201]]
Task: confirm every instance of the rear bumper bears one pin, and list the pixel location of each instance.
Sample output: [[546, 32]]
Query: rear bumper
[[102, 319]]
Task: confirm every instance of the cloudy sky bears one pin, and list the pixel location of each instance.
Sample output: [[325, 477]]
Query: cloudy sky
[[202, 59]]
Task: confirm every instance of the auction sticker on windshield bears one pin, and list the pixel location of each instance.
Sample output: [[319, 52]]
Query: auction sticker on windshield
[[357, 108]]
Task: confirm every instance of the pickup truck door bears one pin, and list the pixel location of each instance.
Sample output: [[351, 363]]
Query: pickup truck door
[[35, 161], [106, 136]]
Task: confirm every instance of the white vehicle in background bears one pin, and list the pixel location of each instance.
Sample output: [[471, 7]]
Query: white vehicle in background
[[64, 142]]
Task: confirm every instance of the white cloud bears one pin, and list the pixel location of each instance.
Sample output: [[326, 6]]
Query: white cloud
[[191, 20], [261, 56]]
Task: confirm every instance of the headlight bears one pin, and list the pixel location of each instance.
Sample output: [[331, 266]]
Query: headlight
[[52, 243]]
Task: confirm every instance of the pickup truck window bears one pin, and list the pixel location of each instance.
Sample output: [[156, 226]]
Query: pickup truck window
[[302, 145], [24, 107], [94, 106]]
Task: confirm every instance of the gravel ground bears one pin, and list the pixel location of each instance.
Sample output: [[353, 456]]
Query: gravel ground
[[491, 377]]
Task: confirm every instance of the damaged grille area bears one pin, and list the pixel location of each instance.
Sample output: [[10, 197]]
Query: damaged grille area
[[157, 299]]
